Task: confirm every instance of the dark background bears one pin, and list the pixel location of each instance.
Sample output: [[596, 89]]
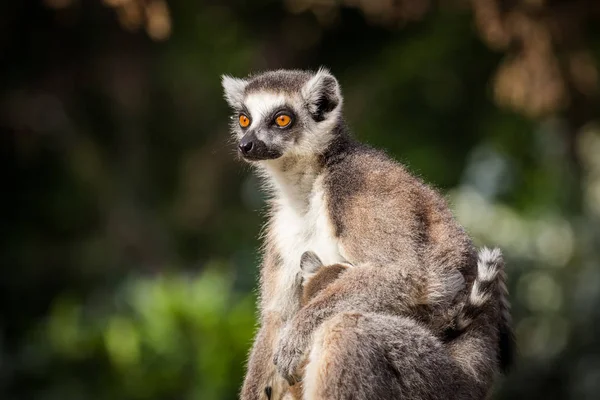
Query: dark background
[[129, 229]]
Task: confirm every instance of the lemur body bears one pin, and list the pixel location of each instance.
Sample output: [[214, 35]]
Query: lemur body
[[348, 202]]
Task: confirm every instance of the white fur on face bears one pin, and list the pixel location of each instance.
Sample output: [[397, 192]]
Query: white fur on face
[[260, 104], [314, 138]]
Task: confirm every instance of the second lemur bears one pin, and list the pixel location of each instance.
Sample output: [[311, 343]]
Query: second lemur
[[489, 284]]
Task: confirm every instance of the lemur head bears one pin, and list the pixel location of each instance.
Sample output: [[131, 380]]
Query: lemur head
[[316, 276], [283, 113]]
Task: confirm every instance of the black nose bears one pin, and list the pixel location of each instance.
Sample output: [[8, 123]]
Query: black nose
[[246, 145], [254, 149]]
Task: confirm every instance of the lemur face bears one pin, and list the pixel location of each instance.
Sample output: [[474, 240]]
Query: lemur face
[[283, 113]]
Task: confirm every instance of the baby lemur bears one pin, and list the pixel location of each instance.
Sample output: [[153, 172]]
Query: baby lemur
[[489, 283], [363, 336]]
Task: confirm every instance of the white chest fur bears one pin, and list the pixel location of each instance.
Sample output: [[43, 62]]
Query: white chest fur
[[296, 231]]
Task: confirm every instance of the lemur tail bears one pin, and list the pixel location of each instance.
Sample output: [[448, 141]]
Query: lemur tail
[[490, 281], [506, 335]]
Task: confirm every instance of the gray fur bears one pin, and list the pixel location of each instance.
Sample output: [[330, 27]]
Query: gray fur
[[289, 81], [378, 356], [356, 204]]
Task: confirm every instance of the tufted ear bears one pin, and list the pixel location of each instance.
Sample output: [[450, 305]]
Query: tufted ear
[[234, 90], [323, 94], [310, 262]]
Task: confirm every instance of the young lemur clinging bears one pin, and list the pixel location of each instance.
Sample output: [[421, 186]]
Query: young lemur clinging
[[351, 203], [315, 277]]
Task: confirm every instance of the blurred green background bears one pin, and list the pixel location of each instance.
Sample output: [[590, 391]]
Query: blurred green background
[[130, 230]]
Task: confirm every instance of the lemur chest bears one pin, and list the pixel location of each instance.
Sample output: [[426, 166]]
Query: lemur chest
[[296, 234], [296, 231]]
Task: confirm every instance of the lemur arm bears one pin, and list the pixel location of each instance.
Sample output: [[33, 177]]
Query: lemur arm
[[260, 370], [388, 289]]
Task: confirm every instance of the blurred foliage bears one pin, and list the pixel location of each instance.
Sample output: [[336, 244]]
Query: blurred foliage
[[130, 232], [176, 336]]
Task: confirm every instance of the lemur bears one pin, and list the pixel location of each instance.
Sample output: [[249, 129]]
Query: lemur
[[490, 282], [351, 203]]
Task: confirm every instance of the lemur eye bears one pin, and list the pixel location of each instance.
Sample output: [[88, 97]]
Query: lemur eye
[[283, 120], [244, 121]]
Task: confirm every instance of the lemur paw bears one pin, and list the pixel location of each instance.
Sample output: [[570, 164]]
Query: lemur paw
[[289, 354]]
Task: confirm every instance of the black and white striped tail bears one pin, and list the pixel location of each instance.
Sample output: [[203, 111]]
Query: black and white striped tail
[[507, 340], [490, 264], [490, 281]]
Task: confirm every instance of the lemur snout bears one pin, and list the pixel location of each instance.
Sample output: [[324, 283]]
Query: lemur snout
[[254, 149], [246, 145]]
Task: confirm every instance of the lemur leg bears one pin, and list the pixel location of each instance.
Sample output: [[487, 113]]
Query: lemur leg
[[374, 356]]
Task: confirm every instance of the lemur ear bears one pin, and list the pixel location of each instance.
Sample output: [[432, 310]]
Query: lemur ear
[[310, 262], [234, 90], [322, 93]]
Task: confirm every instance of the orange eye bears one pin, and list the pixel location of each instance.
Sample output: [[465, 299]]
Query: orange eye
[[283, 120], [244, 121]]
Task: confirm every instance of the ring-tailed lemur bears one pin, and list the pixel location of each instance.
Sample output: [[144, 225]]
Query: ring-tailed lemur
[[349, 202]]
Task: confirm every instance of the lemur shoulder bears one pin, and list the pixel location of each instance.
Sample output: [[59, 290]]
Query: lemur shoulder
[[350, 203]]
